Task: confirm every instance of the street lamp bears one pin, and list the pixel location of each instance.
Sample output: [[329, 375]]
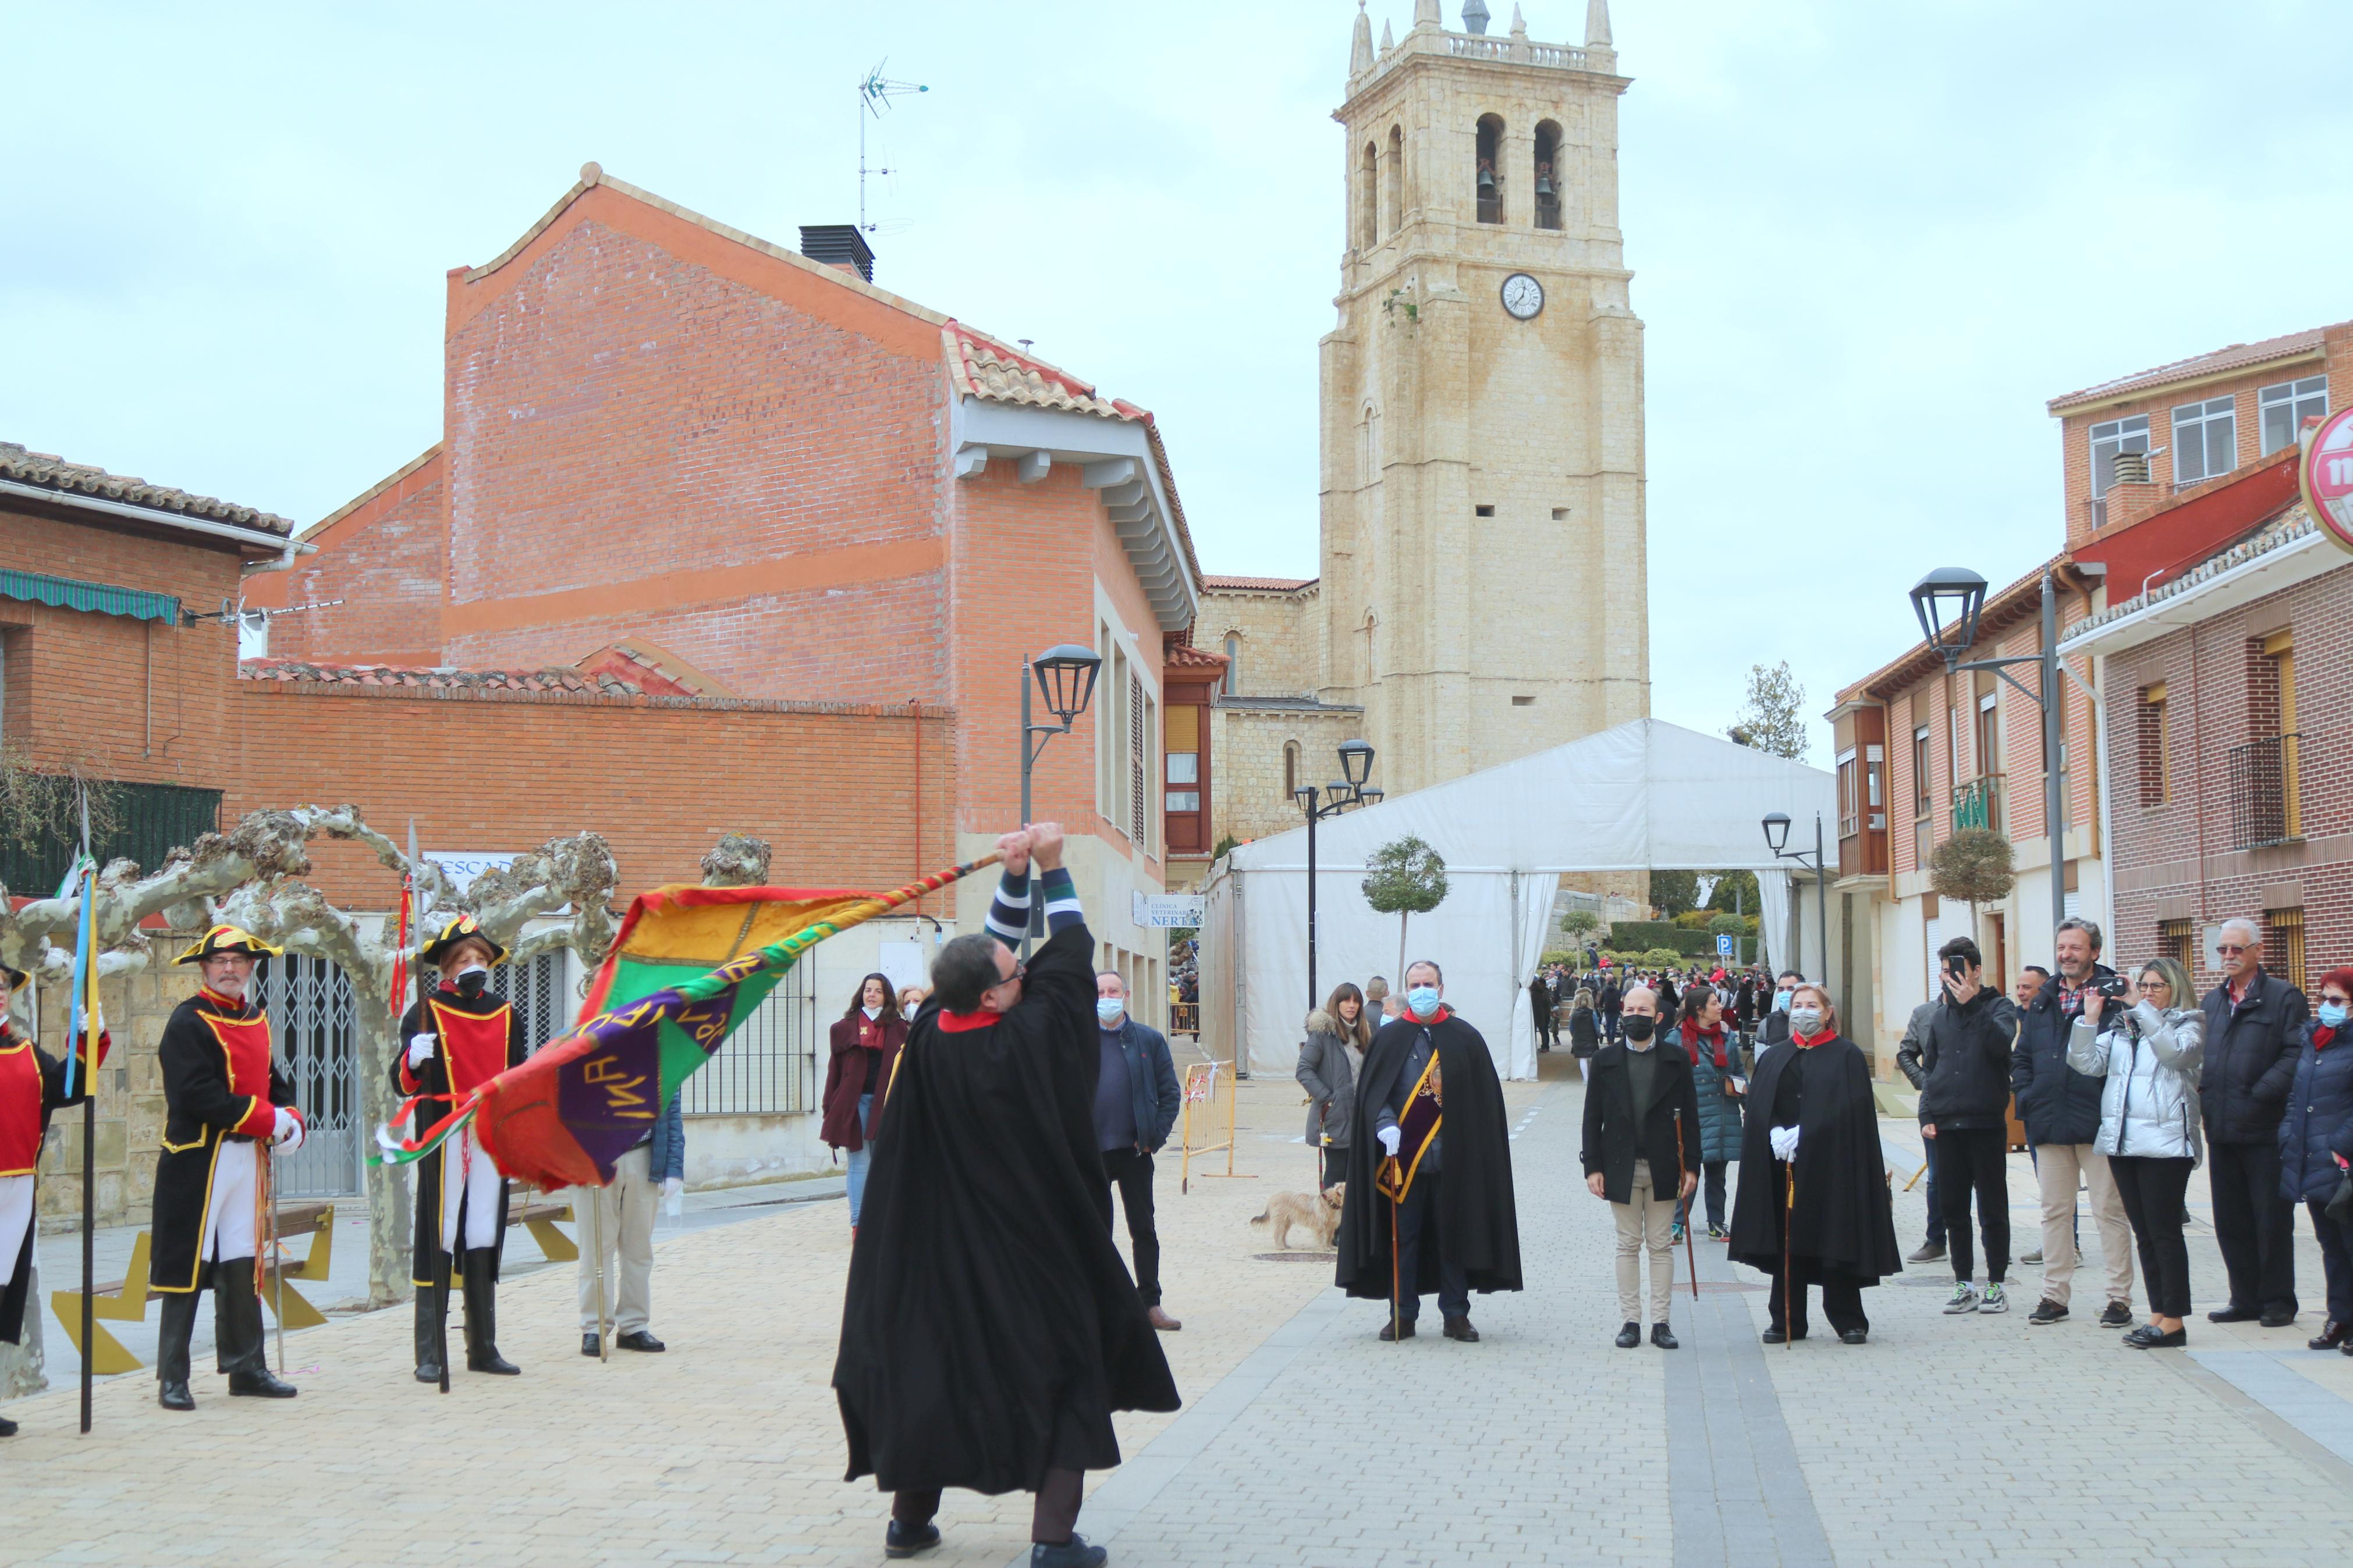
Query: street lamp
[[1776, 835], [1350, 789], [1948, 602], [1065, 675]]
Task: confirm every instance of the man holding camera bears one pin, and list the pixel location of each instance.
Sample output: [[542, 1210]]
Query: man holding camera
[[2061, 1107], [1965, 1107]]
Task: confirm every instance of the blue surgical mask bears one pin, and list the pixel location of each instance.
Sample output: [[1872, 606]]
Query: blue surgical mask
[[1423, 1000], [2332, 1015], [1782, 1000], [1109, 1008]]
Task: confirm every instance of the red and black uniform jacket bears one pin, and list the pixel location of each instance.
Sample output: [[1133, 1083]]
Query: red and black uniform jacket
[[474, 1041], [32, 1085], [221, 1082]]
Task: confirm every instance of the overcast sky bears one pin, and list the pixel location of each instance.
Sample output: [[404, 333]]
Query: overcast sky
[[1869, 240]]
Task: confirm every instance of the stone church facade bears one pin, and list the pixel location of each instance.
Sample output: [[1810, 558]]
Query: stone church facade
[[1480, 437]]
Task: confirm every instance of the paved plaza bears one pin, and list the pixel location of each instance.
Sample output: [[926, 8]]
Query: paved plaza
[[1302, 1440]]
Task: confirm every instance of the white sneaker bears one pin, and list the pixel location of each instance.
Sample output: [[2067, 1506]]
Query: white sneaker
[[1963, 1299], [1995, 1300]]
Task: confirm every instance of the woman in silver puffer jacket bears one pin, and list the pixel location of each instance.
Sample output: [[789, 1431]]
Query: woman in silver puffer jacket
[[2150, 1052]]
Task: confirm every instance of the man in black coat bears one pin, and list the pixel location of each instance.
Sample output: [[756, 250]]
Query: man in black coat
[[1641, 1121], [2252, 1022], [2061, 1107], [1965, 1107], [1457, 1228], [1776, 1025], [990, 1328], [1609, 1003]]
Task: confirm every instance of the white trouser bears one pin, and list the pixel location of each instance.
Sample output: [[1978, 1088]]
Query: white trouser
[[624, 1209], [16, 1218], [229, 1217], [467, 1174]]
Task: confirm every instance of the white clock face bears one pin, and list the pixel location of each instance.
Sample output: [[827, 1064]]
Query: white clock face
[[1522, 296]]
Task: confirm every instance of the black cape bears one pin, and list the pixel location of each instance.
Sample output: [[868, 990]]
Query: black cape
[[1844, 1222], [1478, 1223], [990, 1327], [53, 1097], [433, 1078]]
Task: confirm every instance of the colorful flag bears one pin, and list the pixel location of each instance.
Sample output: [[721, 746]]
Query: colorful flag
[[692, 963], [81, 1015]]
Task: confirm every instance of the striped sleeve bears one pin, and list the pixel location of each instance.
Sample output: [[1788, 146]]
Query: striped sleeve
[[1061, 900], [1008, 914]]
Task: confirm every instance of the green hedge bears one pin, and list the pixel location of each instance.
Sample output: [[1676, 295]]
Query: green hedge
[[1647, 934]]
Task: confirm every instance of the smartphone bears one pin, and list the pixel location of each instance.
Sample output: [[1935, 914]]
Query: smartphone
[[1958, 967]]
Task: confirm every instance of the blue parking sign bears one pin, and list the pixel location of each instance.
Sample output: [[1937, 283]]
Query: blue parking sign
[[1722, 944]]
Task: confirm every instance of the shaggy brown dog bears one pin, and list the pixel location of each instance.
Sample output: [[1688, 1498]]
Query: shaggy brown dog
[[1319, 1214]]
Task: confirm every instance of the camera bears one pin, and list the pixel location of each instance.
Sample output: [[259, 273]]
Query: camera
[[2112, 986]]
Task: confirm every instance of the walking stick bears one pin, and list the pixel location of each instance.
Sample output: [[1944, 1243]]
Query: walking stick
[[596, 1236], [1789, 1219], [277, 1259], [1690, 1254], [424, 1022], [1396, 1328]]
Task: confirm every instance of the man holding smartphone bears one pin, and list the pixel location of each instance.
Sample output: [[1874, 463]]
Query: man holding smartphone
[[1965, 1108]]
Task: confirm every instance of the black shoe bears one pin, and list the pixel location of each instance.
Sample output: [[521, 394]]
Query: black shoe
[[237, 1333], [2331, 1336], [1072, 1553], [2047, 1311], [2276, 1320], [262, 1385], [482, 1317], [1853, 1336], [2233, 1313], [638, 1340], [428, 1335], [7, 1427], [1460, 1329], [1629, 1336], [172, 1394], [171, 1351], [1665, 1338], [907, 1540], [2150, 1337], [588, 1345], [1393, 1331], [2117, 1316], [1775, 1337]]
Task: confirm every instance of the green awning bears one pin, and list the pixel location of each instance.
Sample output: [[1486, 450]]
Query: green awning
[[67, 593]]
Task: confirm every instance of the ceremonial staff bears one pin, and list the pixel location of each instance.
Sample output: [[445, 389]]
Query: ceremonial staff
[[1689, 1252], [1788, 1222], [413, 917], [80, 1035]]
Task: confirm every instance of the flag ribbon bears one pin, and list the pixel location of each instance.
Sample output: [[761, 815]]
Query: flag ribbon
[[81, 1032]]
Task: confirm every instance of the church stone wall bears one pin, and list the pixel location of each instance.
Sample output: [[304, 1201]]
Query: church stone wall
[[1248, 798], [1280, 650]]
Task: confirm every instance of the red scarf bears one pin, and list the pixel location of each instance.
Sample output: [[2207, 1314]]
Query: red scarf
[[1440, 1016], [2321, 1035], [1808, 1042], [1693, 1033]]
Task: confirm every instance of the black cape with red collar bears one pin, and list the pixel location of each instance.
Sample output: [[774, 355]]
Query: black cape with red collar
[[53, 1096], [1844, 1220], [1478, 1219], [433, 1078], [990, 1327]]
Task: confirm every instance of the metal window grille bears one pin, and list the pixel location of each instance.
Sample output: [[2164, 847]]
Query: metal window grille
[[2284, 945], [2262, 782], [310, 1005], [2176, 940], [535, 990], [766, 1067], [1978, 804]]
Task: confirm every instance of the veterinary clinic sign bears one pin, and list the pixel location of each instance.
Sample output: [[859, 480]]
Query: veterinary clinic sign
[[1167, 912], [2327, 475]]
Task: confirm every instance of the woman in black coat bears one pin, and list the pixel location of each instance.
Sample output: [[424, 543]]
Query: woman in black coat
[[2316, 1132]]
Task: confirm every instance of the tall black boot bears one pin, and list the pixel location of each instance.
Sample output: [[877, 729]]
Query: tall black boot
[[481, 1316], [237, 1328], [429, 1334], [171, 1351]]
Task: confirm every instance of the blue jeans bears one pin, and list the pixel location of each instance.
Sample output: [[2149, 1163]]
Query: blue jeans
[[861, 1156]]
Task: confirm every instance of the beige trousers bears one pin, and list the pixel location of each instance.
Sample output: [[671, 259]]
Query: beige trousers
[[2058, 1166], [624, 1209], [1647, 1223]]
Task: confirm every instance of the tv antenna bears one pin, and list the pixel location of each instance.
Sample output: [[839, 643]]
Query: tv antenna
[[875, 92]]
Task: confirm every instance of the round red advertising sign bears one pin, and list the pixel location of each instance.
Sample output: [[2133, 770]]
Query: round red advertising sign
[[2327, 475]]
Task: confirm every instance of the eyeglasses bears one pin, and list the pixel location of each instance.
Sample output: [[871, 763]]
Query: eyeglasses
[[2229, 947], [1020, 971]]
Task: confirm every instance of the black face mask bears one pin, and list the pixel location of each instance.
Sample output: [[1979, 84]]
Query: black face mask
[[1637, 1027], [470, 984]]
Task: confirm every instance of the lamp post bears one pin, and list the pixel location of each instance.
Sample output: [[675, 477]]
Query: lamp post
[[1350, 789], [1776, 835], [1948, 602], [1065, 675]]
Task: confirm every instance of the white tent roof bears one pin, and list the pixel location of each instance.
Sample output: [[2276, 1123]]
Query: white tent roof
[[1646, 795]]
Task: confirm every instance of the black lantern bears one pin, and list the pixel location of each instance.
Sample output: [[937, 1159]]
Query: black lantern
[[1777, 831], [1305, 795], [1948, 601], [1066, 679], [1356, 762], [1371, 797]]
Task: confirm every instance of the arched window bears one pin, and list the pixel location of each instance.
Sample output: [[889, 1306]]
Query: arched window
[[1289, 770], [1233, 664], [1547, 182], [1368, 201], [1393, 183], [1487, 170]]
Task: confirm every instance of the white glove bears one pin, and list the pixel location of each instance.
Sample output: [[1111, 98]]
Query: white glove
[[1784, 1143], [288, 1133], [420, 1049], [1390, 1138], [672, 1204]]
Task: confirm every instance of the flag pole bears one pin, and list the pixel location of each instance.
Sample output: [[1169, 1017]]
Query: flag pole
[[424, 1022], [85, 981]]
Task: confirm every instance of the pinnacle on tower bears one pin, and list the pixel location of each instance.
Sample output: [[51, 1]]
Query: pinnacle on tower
[[1388, 42], [1360, 43], [1597, 24], [1519, 23], [1425, 14], [1474, 18]]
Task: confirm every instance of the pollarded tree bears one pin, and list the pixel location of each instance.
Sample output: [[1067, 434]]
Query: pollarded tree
[[1407, 878], [1976, 866]]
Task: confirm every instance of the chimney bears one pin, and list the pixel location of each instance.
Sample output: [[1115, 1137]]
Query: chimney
[[839, 244]]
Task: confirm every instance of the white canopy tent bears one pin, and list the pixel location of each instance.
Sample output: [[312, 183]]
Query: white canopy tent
[[1646, 795]]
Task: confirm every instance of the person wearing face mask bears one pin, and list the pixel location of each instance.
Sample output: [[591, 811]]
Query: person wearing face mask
[[1775, 1029], [459, 1037], [1813, 1206], [1428, 1148], [32, 1086], [865, 1040], [2316, 1139], [1965, 1107], [224, 1096], [1642, 1139], [1135, 1106]]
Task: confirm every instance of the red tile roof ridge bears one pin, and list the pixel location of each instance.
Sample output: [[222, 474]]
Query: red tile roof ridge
[[47, 471], [2234, 356]]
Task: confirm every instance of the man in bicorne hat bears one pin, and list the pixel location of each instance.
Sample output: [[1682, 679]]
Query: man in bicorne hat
[[32, 1085], [459, 1039], [226, 1103]]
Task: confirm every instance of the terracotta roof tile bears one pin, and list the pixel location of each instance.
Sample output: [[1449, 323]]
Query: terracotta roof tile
[[555, 678], [987, 368], [2238, 356], [1257, 585], [50, 472], [1176, 655]]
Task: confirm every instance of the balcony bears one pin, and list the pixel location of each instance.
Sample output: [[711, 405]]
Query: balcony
[[1978, 804], [2266, 807]]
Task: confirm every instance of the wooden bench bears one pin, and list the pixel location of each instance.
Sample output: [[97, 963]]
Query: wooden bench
[[541, 1214], [124, 1300]]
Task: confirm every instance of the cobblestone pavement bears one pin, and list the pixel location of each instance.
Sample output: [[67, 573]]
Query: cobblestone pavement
[[1303, 1441]]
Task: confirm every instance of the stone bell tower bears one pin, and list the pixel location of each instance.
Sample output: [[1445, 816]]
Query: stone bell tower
[[1483, 592]]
